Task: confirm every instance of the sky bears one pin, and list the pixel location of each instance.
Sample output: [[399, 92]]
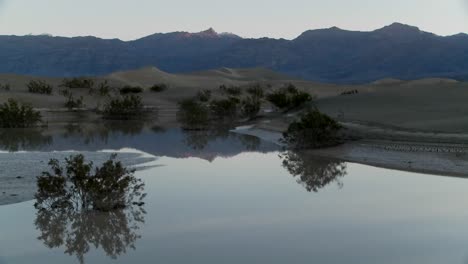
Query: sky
[[130, 20]]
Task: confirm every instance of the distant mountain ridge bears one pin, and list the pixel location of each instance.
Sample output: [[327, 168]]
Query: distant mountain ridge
[[326, 55]]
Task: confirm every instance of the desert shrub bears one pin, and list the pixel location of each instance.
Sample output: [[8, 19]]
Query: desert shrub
[[17, 115], [224, 108], [131, 89], [313, 130], [250, 107], [192, 114], [231, 90], [157, 88], [288, 97], [280, 99], [5, 87], [39, 87], [103, 89], [350, 92], [256, 91], [204, 95], [79, 186], [127, 107], [72, 102], [77, 83]]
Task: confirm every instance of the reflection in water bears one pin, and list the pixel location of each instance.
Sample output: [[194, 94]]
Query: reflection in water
[[114, 232], [199, 139], [104, 131], [18, 139], [78, 208], [312, 172]]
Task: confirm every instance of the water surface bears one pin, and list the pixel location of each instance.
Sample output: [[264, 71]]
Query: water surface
[[226, 201]]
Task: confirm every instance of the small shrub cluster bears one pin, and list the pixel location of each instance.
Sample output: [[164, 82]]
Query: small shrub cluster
[[5, 87], [250, 107], [78, 83], [313, 130], [103, 89], [224, 108], [288, 98], [256, 91], [127, 107], [232, 90], [157, 88], [204, 95], [350, 92], [72, 103], [16, 115], [109, 187], [131, 89], [39, 87], [192, 114]]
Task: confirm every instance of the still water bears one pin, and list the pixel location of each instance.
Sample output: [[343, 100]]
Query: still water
[[230, 199]]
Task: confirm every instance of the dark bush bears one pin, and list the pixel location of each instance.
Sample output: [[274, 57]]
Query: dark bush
[[109, 187], [39, 87], [350, 92], [288, 98], [250, 107], [192, 114], [131, 90], [77, 83], [313, 130], [103, 89], [256, 91], [204, 95], [157, 88], [127, 107], [232, 90], [16, 115], [224, 108], [5, 87], [72, 102]]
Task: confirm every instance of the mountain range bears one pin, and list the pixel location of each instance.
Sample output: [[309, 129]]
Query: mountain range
[[330, 55]]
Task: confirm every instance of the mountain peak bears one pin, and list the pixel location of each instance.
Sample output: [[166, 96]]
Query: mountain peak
[[399, 29], [209, 32]]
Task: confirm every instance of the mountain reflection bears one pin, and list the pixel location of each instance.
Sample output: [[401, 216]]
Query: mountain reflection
[[114, 232], [199, 139], [313, 173]]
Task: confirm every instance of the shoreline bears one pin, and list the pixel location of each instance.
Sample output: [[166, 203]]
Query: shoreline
[[397, 153]]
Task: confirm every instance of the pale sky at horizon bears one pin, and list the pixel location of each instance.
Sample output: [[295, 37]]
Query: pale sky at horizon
[[129, 20]]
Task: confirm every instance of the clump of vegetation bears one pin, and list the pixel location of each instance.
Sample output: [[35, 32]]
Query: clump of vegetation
[[313, 130], [350, 92], [5, 87], [131, 89], [16, 115], [78, 83], [231, 90], [193, 115], [127, 107], [103, 89], [80, 186], [250, 107], [72, 103], [204, 95], [157, 88], [256, 91], [39, 87], [225, 108], [288, 98]]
